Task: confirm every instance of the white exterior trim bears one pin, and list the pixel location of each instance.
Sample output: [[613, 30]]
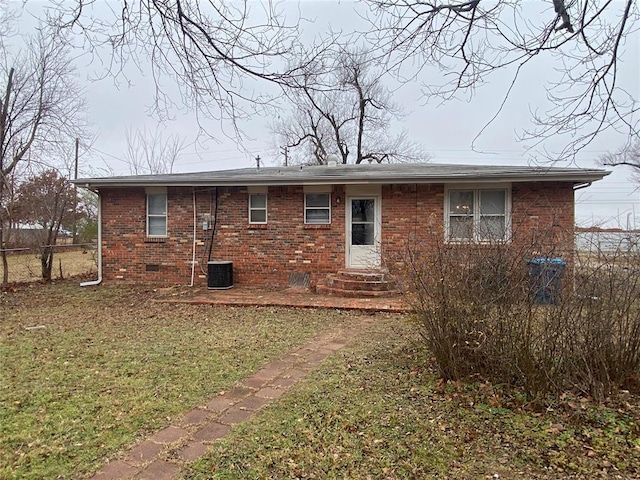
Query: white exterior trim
[[478, 187]]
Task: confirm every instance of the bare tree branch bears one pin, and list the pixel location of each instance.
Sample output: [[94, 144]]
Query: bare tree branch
[[149, 152], [628, 156], [470, 41], [352, 119], [41, 107], [216, 52]]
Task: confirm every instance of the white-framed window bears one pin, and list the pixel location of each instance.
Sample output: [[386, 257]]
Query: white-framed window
[[156, 214], [317, 208], [258, 208], [477, 214]]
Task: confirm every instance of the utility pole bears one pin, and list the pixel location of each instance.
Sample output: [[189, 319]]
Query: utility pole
[[75, 197], [75, 170], [285, 151]]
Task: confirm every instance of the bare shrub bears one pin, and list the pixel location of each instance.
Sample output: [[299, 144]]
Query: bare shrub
[[607, 301], [481, 313]]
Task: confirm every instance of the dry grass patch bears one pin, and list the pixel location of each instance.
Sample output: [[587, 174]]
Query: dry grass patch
[[106, 366], [25, 267]]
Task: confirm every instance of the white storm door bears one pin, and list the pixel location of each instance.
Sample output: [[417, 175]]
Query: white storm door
[[363, 232]]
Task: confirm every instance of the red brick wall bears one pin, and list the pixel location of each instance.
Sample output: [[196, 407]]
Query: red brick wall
[[268, 254], [126, 250], [261, 254], [542, 220], [410, 214]]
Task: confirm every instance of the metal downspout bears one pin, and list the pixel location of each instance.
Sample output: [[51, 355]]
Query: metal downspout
[[99, 279], [193, 250]]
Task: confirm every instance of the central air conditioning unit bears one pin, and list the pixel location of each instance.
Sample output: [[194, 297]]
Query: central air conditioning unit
[[219, 275]]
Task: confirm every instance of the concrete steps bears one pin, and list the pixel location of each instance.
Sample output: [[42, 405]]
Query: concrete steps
[[358, 283]]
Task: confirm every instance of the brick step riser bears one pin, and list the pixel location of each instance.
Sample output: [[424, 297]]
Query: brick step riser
[[354, 293], [361, 276], [357, 285]]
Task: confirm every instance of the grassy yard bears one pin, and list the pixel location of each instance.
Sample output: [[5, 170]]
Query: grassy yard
[[86, 372], [375, 410], [110, 366], [25, 267]]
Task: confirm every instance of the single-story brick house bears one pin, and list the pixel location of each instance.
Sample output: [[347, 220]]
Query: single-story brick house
[[279, 223]]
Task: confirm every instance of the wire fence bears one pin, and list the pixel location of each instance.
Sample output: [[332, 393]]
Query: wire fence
[[56, 247], [24, 264], [625, 241]]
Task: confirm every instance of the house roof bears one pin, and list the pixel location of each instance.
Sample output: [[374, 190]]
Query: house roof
[[353, 174]]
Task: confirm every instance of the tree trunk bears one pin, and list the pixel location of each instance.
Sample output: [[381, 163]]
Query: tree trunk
[[5, 264], [46, 261], [5, 268], [3, 254]]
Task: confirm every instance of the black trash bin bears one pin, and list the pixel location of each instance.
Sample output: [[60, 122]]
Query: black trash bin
[[219, 275], [545, 275]]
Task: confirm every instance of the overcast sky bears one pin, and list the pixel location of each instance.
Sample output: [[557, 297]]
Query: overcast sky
[[447, 131]]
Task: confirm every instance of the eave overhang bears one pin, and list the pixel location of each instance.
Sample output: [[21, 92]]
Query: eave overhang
[[352, 175]]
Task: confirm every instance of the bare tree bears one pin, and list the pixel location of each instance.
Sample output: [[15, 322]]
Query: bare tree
[[148, 152], [469, 40], [627, 156], [40, 106], [215, 51], [49, 201], [343, 108]]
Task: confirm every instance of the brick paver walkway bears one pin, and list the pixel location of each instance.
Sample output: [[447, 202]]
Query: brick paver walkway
[[290, 297], [162, 456]]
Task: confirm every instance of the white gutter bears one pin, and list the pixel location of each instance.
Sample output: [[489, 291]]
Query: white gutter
[[195, 232], [98, 281], [204, 183]]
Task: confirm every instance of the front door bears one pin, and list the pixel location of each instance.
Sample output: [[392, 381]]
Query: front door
[[363, 232]]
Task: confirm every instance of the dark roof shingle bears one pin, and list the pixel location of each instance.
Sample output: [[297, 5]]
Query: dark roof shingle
[[354, 174]]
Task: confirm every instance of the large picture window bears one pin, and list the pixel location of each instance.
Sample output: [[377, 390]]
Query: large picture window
[[317, 208], [479, 215], [157, 215], [258, 208]]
